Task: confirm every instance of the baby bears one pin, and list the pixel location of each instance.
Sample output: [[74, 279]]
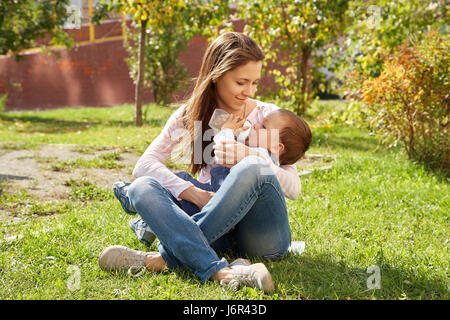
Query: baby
[[283, 136]]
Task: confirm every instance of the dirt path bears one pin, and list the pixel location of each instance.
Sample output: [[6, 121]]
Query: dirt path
[[30, 170]]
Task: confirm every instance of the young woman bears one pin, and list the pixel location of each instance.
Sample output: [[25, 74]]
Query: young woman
[[247, 214]]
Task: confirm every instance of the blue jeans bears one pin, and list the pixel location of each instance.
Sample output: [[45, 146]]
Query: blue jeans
[[251, 202]]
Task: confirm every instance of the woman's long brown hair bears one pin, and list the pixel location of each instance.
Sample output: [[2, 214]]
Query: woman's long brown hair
[[227, 52]]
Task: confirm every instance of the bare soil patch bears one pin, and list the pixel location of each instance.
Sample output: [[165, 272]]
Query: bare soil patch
[[30, 170]]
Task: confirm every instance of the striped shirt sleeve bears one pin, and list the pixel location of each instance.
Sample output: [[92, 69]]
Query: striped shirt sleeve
[[152, 162], [287, 176], [289, 180]]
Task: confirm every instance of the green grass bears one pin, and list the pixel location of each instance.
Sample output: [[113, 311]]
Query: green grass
[[85, 126], [84, 190], [105, 161], [373, 207]]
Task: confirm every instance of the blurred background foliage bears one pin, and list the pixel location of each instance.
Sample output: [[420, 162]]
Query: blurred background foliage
[[388, 59]]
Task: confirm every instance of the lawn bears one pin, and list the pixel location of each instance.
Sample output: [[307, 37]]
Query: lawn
[[373, 207]]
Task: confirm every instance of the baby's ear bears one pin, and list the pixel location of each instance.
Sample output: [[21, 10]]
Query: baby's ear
[[280, 149]]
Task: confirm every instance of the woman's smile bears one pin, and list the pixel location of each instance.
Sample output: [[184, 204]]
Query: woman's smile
[[241, 100]]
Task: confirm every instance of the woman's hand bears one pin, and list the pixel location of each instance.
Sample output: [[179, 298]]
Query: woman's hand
[[197, 196], [228, 153]]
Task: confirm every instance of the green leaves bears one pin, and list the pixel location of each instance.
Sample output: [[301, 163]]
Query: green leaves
[[409, 100], [24, 21], [169, 26], [198, 16], [387, 24], [291, 32]]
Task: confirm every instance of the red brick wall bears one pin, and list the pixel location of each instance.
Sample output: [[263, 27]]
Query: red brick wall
[[89, 75]]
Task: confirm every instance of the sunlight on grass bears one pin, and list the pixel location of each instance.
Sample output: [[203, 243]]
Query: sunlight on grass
[[105, 161], [90, 126], [372, 207]]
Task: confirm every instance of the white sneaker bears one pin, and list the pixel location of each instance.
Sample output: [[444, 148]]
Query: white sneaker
[[122, 258], [240, 262], [254, 275]]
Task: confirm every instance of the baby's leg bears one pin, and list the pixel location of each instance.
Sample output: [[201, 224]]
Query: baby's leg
[[120, 189], [218, 175]]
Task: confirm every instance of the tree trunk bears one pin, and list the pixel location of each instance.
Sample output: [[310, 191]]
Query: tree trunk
[[141, 70], [304, 71]]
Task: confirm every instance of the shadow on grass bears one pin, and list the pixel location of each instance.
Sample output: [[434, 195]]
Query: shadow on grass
[[314, 276], [51, 125], [346, 138], [342, 137], [321, 277], [440, 170]]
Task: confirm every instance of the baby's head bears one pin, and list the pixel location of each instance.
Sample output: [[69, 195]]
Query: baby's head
[[294, 136]]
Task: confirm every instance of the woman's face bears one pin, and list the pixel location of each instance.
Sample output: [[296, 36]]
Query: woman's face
[[237, 85]]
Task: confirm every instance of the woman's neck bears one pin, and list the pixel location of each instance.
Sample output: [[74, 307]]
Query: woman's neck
[[244, 111], [249, 106]]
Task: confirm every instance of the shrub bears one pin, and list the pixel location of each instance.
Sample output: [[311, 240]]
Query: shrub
[[409, 100]]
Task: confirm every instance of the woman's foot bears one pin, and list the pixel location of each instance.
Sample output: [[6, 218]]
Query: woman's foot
[[155, 262], [242, 274], [122, 258]]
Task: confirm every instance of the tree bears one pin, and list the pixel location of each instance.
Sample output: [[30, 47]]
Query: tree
[[381, 26], [397, 63], [155, 16], [164, 73], [292, 33], [24, 21]]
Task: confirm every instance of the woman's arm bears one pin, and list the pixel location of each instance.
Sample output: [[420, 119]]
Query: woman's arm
[[197, 196], [152, 162]]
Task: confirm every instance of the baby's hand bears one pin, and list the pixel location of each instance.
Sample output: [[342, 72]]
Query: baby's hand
[[234, 123]]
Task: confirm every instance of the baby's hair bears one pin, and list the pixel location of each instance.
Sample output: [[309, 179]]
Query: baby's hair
[[296, 137]]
